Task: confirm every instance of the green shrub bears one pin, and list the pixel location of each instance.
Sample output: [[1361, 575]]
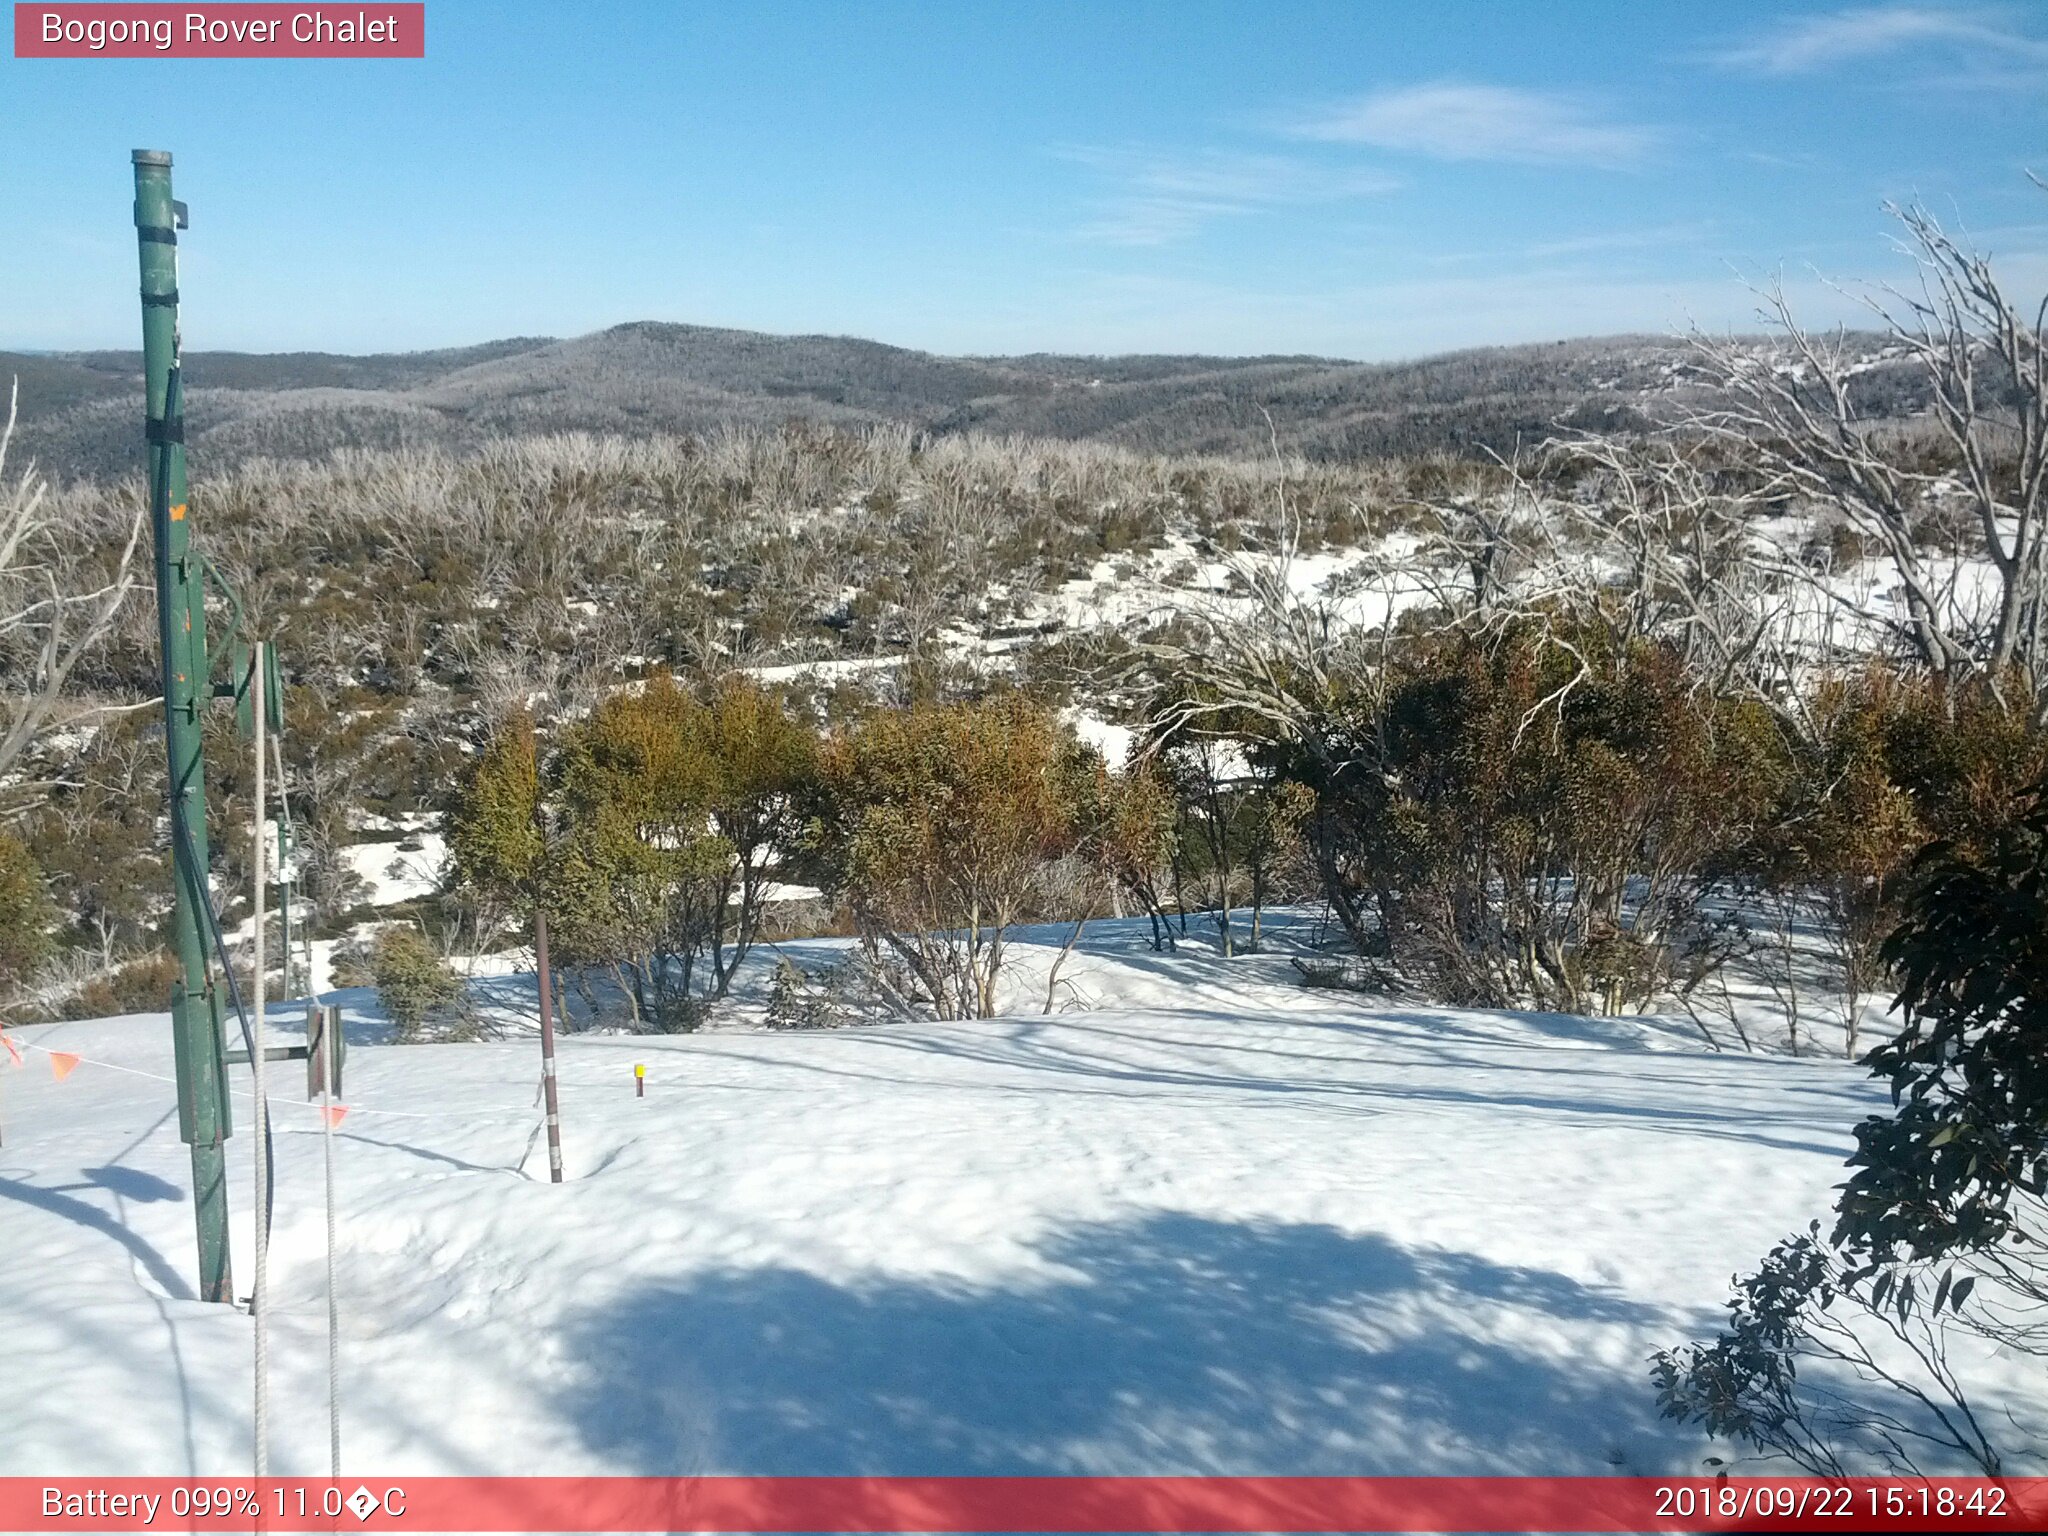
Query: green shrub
[[415, 985], [140, 986], [1546, 817], [26, 914], [1939, 1230], [939, 825]]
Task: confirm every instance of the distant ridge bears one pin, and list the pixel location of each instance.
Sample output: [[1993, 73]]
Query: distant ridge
[[79, 409]]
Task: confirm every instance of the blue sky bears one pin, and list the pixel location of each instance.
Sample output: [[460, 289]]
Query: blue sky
[[1366, 180]]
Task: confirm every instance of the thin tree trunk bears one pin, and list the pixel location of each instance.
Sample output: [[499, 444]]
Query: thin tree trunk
[[1053, 976]]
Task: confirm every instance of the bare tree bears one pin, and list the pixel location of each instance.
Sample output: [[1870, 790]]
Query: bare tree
[[1799, 413], [54, 607]]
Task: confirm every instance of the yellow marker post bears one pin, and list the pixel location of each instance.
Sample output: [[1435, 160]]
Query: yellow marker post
[[639, 1080]]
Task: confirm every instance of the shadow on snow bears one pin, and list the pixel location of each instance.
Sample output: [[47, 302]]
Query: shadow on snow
[[1169, 1344]]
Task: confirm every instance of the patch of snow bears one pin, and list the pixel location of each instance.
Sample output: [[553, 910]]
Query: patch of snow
[[1112, 741], [401, 871]]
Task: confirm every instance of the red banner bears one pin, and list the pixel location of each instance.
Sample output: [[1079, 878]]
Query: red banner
[[1016, 1504], [103, 31]]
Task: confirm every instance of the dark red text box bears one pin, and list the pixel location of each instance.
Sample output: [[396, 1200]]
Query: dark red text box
[[372, 30]]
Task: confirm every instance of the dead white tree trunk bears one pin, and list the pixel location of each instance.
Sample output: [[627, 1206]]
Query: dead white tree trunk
[[1798, 413], [53, 608]]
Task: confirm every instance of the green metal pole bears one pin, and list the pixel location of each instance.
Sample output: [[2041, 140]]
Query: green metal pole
[[196, 1011]]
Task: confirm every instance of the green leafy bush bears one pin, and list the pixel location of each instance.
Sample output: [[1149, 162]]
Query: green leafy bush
[[1940, 1229], [415, 985], [1541, 817], [26, 913], [140, 986], [938, 825]]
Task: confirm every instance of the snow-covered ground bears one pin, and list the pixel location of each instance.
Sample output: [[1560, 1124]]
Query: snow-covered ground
[[404, 870], [1217, 1223]]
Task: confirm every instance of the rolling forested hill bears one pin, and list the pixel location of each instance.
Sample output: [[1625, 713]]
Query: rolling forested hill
[[79, 410]]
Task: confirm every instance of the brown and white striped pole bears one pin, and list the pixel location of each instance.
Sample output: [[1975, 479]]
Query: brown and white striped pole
[[547, 1046]]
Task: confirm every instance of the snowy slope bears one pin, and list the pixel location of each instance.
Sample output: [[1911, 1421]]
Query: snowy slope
[[1219, 1224]]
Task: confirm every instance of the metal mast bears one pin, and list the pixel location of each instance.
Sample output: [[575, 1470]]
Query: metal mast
[[196, 1002]]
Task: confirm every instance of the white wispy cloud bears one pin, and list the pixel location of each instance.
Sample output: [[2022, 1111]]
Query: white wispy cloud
[[1512, 301], [1157, 198], [1785, 160], [1412, 317], [1814, 43], [1659, 236], [1605, 243], [1455, 120]]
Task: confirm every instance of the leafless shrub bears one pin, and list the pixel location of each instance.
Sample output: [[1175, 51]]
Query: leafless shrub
[[58, 597], [1798, 413]]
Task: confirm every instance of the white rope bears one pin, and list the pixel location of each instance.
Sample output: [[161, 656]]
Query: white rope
[[331, 1021], [284, 821], [496, 1111], [259, 1296]]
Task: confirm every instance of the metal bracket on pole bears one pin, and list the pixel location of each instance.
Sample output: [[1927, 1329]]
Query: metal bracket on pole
[[326, 1050]]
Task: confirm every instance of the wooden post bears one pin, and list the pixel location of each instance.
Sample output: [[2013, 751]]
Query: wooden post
[[547, 1046]]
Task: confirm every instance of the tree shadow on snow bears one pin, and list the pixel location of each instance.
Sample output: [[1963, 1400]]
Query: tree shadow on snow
[[1173, 1344], [133, 1184], [60, 1204], [1086, 1052]]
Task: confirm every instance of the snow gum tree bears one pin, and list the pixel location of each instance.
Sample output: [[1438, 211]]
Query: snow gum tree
[[496, 824], [58, 602], [493, 822], [1543, 816], [55, 610], [1130, 816], [1887, 764], [675, 812], [1124, 834], [1972, 491], [1236, 822], [939, 826], [26, 913], [650, 834]]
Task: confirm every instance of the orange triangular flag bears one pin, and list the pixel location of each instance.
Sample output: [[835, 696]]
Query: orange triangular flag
[[12, 1049], [333, 1113], [63, 1064]]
